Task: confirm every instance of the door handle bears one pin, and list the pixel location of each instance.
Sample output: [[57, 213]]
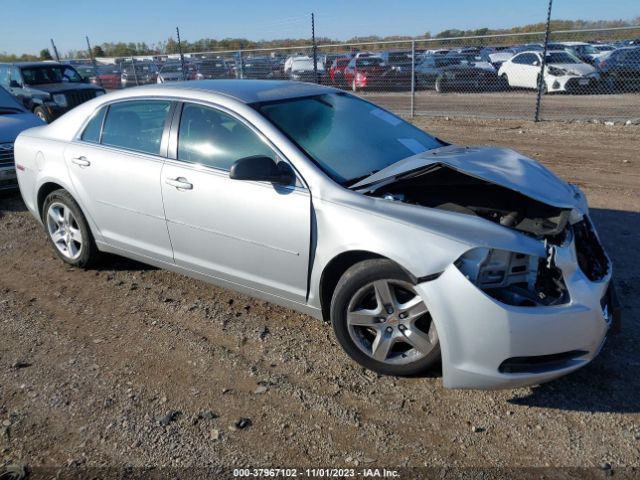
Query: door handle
[[180, 183], [81, 161]]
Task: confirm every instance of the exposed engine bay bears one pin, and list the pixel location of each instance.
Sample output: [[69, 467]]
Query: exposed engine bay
[[447, 189], [510, 277]]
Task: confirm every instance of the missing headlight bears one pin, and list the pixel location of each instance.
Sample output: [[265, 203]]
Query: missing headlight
[[514, 278]]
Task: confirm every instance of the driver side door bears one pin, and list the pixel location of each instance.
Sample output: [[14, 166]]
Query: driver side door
[[252, 234]]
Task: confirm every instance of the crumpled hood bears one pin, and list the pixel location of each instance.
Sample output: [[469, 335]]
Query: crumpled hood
[[12, 125], [501, 166]]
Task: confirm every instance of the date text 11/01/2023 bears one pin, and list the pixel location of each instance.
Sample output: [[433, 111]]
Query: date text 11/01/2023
[[316, 472]]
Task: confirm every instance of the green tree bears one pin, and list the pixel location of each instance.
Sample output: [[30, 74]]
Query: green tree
[[98, 51], [45, 54]]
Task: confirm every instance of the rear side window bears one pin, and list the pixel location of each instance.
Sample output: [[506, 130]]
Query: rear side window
[[136, 125], [215, 139], [92, 130]]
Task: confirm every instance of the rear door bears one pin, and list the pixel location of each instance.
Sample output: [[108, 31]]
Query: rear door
[[115, 168], [253, 234]]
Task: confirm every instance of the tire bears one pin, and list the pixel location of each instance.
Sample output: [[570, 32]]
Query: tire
[[42, 114], [376, 335], [68, 231], [440, 85], [504, 79]]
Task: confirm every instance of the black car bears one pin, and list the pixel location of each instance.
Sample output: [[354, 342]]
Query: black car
[[457, 72], [255, 68], [47, 89], [138, 73], [212, 69], [620, 70]]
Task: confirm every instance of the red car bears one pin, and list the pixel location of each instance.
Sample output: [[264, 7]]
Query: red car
[[365, 72], [336, 71], [109, 77]]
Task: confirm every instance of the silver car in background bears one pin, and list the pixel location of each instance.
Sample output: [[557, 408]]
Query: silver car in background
[[414, 249]]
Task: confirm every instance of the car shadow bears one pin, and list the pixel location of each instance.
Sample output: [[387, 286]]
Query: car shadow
[[612, 381], [11, 201]]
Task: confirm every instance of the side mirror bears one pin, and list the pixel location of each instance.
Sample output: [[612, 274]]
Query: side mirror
[[14, 84], [261, 168]]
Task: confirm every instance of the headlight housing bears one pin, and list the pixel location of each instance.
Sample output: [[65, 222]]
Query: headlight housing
[[514, 278], [60, 99], [556, 72]]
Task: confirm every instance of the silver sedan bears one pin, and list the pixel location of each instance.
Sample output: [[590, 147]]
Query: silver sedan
[[417, 251]]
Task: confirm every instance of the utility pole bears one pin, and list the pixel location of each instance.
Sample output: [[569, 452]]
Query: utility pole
[[180, 52], [93, 61], [55, 50], [543, 63], [315, 48]]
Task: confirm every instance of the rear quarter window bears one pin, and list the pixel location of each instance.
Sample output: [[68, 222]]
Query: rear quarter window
[[92, 131]]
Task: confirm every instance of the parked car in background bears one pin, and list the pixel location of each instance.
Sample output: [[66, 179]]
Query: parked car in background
[[171, 72], [456, 73], [584, 51], [564, 72], [85, 71], [620, 70], [336, 71], [420, 253], [365, 72], [209, 69], [496, 56], [14, 118], [302, 70], [138, 73], [258, 67], [48, 89], [108, 76]]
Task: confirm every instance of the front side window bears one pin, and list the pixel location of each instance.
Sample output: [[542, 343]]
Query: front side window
[[136, 125], [349, 138], [215, 139]]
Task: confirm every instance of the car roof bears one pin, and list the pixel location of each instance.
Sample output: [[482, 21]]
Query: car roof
[[245, 91], [35, 64]]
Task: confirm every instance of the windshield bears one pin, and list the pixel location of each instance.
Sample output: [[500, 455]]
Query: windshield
[[349, 138], [50, 74], [561, 57], [369, 62]]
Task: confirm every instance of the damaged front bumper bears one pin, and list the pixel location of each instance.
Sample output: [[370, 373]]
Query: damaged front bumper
[[486, 343]]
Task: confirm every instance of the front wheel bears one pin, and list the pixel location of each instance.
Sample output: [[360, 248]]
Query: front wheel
[[42, 114], [382, 322], [68, 231], [441, 85]]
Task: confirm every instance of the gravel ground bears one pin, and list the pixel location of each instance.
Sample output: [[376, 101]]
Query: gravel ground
[[126, 365]]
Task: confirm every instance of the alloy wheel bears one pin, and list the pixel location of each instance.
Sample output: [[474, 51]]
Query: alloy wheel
[[390, 323], [64, 231]]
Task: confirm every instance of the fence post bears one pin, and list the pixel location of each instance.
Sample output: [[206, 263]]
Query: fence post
[[543, 64], [135, 73], [241, 64], [413, 78]]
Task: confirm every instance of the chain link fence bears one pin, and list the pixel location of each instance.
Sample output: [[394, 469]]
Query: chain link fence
[[587, 74]]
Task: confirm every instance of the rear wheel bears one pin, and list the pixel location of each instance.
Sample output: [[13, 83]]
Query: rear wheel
[[42, 114], [68, 231], [382, 322]]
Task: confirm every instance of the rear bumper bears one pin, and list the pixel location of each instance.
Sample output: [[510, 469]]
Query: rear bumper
[[487, 344]]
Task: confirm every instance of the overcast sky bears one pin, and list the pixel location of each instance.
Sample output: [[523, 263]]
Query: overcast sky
[[28, 26]]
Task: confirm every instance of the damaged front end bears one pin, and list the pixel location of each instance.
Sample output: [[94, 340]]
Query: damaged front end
[[511, 277]]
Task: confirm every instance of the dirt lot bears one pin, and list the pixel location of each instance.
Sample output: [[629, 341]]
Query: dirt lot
[[128, 365], [513, 105]]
